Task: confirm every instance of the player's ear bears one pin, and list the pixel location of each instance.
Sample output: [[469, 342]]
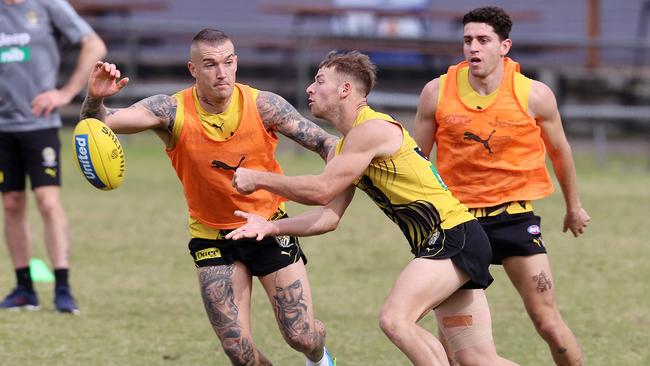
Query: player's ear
[[346, 88], [505, 46], [191, 68]]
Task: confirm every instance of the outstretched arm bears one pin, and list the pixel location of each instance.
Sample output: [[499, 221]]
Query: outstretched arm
[[543, 106], [278, 115], [362, 144], [316, 221], [156, 112]]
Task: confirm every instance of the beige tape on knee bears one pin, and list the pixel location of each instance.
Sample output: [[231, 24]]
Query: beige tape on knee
[[465, 328]]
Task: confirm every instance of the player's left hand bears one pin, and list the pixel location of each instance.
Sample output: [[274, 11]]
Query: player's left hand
[[44, 103], [255, 227], [576, 221], [244, 180]]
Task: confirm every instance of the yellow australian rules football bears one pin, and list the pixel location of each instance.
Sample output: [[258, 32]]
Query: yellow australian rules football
[[99, 154]]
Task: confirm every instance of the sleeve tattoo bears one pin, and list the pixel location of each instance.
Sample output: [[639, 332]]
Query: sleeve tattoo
[[278, 115], [95, 108], [162, 106]]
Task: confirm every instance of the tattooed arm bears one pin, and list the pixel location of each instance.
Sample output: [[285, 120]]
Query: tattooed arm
[[278, 115], [153, 113], [156, 112]]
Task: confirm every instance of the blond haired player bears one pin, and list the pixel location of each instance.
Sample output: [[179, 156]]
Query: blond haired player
[[209, 130], [492, 127], [450, 270]]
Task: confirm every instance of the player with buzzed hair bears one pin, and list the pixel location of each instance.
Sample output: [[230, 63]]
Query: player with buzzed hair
[[209, 130]]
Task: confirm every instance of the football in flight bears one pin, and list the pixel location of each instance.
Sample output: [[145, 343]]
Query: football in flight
[[99, 154]]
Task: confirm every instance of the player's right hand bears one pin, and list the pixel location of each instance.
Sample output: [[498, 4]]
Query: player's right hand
[[105, 81], [576, 221], [244, 180]]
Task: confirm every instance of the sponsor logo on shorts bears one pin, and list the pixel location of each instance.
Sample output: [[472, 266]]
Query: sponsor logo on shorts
[[207, 253], [534, 230], [51, 172], [434, 237], [284, 241], [49, 157], [2, 176]]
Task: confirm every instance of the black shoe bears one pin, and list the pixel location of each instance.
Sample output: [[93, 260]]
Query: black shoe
[[63, 300], [20, 298]]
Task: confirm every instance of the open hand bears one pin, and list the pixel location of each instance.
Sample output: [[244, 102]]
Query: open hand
[[255, 227], [104, 80]]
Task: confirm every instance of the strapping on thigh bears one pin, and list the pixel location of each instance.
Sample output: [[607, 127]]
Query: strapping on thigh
[[467, 329]]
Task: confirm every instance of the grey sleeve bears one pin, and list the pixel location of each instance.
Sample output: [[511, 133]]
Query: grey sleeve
[[66, 20]]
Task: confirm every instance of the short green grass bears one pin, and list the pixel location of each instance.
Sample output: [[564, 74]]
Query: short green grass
[[137, 289]]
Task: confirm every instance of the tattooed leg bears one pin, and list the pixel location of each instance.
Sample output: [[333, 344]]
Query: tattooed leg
[[532, 277], [290, 295], [221, 306], [543, 282]]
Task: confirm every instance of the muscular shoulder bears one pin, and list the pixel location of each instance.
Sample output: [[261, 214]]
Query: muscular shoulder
[[381, 137], [428, 102], [541, 102], [273, 109], [163, 107], [432, 88]]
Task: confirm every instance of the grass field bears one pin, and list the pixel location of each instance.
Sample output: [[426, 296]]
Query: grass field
[[137, 289]]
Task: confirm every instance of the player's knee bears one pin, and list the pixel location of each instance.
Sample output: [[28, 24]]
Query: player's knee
[[305, 338], [390, 323], [548, 325], [305, 342], [241, 352], [14, 202], [48, 205], [320, 328]]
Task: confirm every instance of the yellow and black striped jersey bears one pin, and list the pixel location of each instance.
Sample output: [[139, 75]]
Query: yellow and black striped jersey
[[408, 189]]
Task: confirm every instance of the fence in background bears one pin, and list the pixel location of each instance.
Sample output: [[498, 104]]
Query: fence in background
[[291, 53]]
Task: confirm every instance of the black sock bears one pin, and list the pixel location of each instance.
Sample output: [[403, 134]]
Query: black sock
[[24, 279], [61, 277]]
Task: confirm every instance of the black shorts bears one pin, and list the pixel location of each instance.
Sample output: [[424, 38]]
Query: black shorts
[[33, 153], [260, 257], [468, 247], [513, 235]]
